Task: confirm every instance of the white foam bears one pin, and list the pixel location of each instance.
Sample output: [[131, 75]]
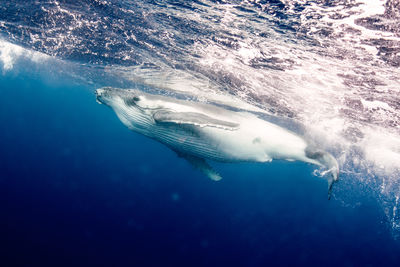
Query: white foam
[[316, 87], [382, 148], [10, 53], [376, 104]]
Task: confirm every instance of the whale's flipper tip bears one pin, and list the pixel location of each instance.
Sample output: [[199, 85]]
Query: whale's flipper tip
[[213, 175], [202, 165]]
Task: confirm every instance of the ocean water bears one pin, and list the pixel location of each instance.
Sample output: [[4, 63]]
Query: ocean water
[[77, 188]]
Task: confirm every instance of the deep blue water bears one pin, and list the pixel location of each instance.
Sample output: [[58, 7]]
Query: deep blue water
[[77, 188]]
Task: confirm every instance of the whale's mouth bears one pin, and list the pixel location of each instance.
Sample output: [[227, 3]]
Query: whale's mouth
[[99, 93]]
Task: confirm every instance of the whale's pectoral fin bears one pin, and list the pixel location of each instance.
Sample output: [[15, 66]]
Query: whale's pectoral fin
[[193, 118], [202, 165]]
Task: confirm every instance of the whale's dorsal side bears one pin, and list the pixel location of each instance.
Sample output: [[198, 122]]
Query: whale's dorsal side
[[193, 118]]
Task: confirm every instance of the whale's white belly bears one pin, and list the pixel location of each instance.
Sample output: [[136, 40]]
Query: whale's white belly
[[256, 140]]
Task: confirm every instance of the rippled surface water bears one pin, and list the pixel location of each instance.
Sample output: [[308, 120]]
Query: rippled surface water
[[328, 70]]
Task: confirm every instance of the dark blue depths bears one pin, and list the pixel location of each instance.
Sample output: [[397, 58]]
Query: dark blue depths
[[77, 188]]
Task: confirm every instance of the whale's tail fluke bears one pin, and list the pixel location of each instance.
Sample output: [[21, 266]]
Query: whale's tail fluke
[[330, 164]]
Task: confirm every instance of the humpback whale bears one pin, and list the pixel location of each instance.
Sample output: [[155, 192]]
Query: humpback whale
[[200, 131]]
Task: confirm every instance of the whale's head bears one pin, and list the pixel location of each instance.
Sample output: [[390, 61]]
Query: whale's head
[[110, 96], [127, 104], [115, 97], [131, 99]]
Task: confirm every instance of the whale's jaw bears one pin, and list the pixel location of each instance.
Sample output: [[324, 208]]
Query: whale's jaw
[[101, 96], [106, 95], [98, 93]]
